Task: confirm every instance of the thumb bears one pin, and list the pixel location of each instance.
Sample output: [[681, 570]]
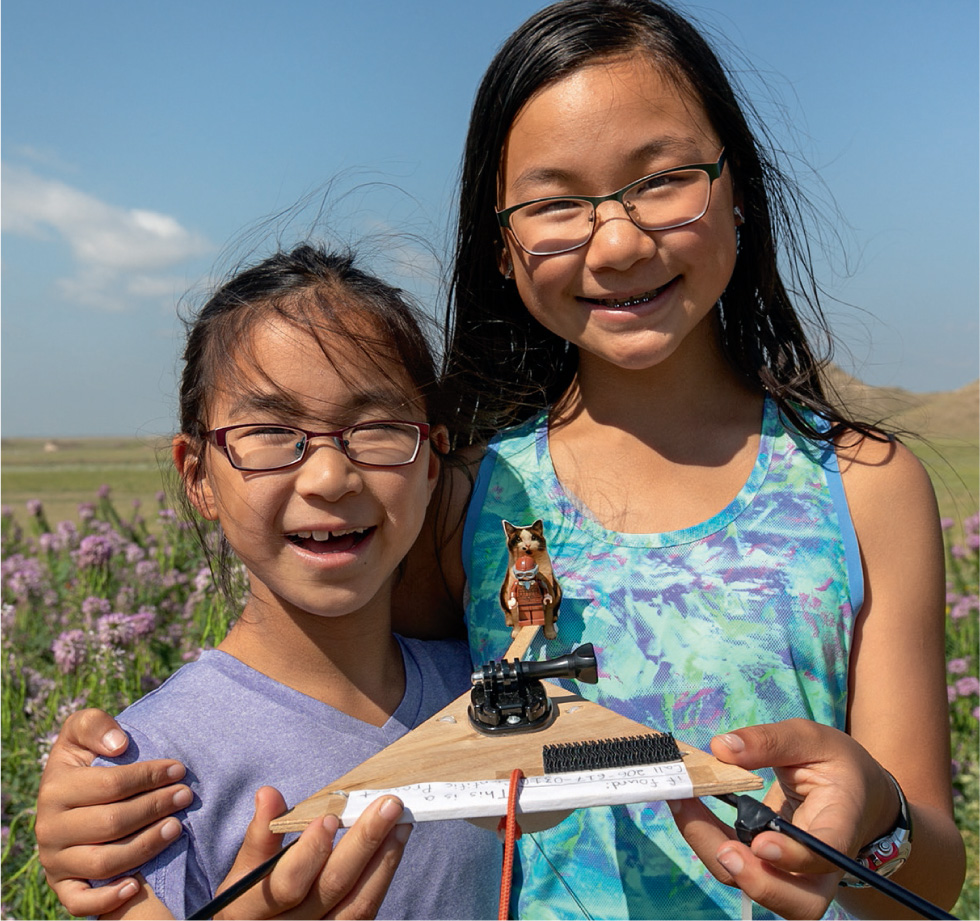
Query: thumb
[[260, 844], [87, 733], [789, 742]]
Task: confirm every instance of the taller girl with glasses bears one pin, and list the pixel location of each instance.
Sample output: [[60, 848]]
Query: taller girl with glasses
[[739, 550], [737, 547], [310, 680]]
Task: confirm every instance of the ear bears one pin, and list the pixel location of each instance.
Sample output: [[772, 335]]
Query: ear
[[505, 264], [439, 439], [193, 476], [509, 529]]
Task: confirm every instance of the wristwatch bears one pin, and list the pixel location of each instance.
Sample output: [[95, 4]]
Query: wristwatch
[[885, 855]]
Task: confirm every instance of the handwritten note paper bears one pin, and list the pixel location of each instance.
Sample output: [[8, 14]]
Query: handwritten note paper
[[479, 798]]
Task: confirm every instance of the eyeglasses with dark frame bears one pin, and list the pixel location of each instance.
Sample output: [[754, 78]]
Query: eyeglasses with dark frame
[[258, 446], [661, 201]]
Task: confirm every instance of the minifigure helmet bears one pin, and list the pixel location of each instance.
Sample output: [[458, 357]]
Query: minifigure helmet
[[525, 568]]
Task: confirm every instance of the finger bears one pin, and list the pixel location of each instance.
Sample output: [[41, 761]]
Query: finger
[[260, 843], [365, 900], [704, 832], [83, 900], [364, 851], [290, 882], [104, 861], [788, 895], [69, 786], [105, 808], [789, 742]]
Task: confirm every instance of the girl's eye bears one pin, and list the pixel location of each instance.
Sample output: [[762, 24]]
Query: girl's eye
[[554, 208]]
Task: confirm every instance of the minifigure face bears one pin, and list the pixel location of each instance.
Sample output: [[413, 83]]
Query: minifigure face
[[325, 536], [629, 297]]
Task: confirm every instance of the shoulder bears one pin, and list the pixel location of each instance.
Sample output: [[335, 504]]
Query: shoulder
[[883, 479], [896, 519]]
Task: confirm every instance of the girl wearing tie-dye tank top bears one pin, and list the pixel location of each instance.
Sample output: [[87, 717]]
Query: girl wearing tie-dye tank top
[[740, 550], [761, 572]]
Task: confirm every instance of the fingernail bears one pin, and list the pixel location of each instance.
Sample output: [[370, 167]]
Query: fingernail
[[183, 798], [115, 739], [170, 829], [733, 742], [402, 832], [175, 771], [769, 851], [390, 809], [129, 889], [731, 861]]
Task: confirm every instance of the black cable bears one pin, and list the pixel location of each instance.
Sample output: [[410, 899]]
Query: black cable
[[754, 817], [224, 899]]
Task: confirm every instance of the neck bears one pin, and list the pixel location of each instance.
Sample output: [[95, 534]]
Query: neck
[[352, 663], [671, 400]]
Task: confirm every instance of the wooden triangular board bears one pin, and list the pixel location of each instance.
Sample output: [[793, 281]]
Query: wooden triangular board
[[446, 747]]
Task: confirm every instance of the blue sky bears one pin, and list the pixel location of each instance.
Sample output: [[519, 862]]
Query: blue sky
[[140, 140]]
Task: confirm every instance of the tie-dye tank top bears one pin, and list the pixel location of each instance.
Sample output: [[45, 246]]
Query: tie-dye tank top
[[746, 618]]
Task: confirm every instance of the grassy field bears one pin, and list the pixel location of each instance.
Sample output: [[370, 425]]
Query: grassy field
[[64, 473]]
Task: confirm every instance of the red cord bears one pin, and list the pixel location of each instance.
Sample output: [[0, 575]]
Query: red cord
[[512, 831]]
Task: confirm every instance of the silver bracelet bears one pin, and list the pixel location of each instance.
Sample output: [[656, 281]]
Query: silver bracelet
[[885, 855]]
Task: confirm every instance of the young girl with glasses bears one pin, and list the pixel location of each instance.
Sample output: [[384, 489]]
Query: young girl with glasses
[[309, 426], [631, 367]]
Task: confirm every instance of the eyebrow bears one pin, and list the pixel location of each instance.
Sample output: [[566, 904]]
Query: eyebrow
[[659, 147], [286, 407]]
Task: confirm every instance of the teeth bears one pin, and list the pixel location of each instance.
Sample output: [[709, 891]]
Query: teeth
[[633, 301], [324, 535]]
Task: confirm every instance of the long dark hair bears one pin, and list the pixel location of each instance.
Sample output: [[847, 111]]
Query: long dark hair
[[502, 364]]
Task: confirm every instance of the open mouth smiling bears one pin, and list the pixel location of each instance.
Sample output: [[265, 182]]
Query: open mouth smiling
[[330, 541]]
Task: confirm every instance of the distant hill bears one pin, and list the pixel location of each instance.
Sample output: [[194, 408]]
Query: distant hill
[[952, 413]]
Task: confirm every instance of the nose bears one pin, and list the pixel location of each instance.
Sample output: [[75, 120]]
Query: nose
[[617, 242], [328, 473]]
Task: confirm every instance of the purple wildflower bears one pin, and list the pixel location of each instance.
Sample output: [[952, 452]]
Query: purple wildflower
[[95, 607], [967, 686], [963, 606], [946, 523], [22, 575], [950, 693], [958, 666], [161, 496], [34, 507], [94, 550], [103, 491], [70, 650]]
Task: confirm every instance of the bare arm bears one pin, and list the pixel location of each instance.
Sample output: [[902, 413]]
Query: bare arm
[[81, 807], [834, 785], [428, 598]]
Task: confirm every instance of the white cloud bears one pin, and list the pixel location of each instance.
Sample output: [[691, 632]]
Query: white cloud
[[120, 253]]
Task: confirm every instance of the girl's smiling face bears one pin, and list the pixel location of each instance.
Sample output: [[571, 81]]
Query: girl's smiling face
[[323, 537], [629, 297]]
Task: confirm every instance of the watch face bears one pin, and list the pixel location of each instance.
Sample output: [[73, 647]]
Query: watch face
[[888, 854]]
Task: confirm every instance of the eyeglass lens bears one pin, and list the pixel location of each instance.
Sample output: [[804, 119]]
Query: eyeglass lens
[[656, 203], [267, 447]]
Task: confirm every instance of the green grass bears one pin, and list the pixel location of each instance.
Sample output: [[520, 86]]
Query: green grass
[[135, 469]]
